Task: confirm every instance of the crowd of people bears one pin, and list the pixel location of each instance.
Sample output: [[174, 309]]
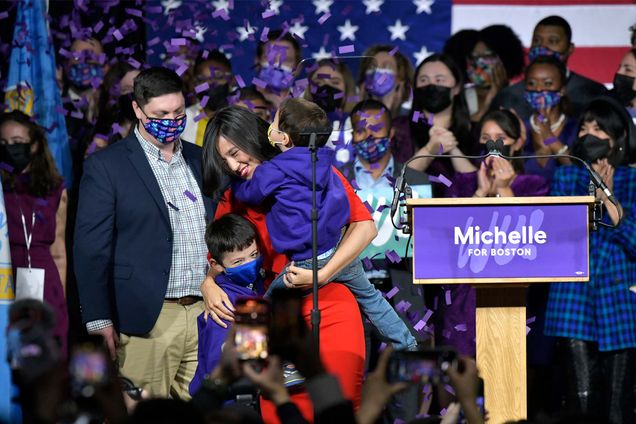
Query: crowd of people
[[191, 193]]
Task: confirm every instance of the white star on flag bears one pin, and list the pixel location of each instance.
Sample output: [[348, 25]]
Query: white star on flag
[[274, 6], [398, 31], [244, 32], [321, 54], [421, 55], [348, 31], [372, 5], [170, 5], [322, 6], [221, 5], [200, 31], [423, 6], [298, 29]]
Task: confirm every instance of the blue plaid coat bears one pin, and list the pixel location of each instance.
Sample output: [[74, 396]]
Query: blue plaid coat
[[603, 310]]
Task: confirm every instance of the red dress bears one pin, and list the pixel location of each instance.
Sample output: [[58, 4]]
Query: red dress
[[45, 209], [341, 333]]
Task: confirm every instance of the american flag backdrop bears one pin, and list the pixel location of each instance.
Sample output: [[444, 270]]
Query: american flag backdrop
[[417, 27]]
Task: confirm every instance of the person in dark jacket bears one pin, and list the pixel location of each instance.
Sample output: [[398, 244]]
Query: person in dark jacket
[[551, 37]]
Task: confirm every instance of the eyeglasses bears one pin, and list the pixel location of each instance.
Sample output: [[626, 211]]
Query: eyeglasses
[[269, 134]]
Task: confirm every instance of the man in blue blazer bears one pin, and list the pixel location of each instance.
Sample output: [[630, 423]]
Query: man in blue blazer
[[140, 253]]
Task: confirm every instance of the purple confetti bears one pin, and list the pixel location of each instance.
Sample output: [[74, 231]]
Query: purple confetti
[[531, 320], [201, 87], [527, 330], [77, 114], [403, 306], [134, 63], [419, 325], [154, 41], [346, 49], [182, 69], [259, 83], [382, 207], [448, 297], [416, 116], [430, 119], [268, 14], [133, 12], [427, 316], [118, 35], [324, 18], [392, 256], [264, 34], [369, 207], [41, 202], [190, 196], [449, 389], [392, 292], [368, 265], [440, 151], [205, 100], [178, 42], [199, 117], [239, 81], [98, 27], [394, 51], [441, 179], [460, 327], [4, 15]]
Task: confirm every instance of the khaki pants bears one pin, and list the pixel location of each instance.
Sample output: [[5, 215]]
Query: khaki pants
[[164, 361]]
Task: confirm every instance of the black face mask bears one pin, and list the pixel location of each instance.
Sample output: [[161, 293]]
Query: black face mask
[[433, 98], [217, 96], [623, 87], [17, 156], [590, 148], [126, 111], [324, 97]]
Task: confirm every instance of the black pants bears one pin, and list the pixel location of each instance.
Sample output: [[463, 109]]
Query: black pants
[[600, 383]]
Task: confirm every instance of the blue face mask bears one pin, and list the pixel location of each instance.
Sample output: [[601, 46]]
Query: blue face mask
[[247, 274], [82, 75], [372, 150]]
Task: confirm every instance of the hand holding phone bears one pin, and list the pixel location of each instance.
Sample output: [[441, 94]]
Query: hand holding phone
[[423, 366], [251, 337]]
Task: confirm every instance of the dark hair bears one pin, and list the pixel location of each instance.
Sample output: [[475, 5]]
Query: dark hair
[[108, 110], [549, 60], [610, 119], [506, 120], [460, 123], [246, 130], [558, 22], [369, 105], [279, 35], [509, 123], [296, 115], [229, 233], [44, 175], [213, 56], [460, 45], [154, 82], [404, 66], [503, 41], [251, 93]]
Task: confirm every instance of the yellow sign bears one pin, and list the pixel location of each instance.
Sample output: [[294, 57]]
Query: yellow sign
[[7, 289]]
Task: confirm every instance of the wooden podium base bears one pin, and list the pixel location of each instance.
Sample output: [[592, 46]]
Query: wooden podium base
[[501, 350]]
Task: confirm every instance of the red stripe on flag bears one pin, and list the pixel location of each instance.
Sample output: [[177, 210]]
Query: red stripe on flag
[[598, 63], [543, 2]]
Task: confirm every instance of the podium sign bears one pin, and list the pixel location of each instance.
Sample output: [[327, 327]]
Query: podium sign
[[494, 243]]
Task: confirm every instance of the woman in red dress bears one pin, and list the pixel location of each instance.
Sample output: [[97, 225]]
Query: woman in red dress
[[235, 143]]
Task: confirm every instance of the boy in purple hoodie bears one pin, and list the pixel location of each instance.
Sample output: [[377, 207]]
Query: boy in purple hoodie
[[234, 253], [285, 182]]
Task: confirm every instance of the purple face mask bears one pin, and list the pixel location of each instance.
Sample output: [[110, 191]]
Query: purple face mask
[[540, 100], [278, 79], [380, 82], [538, 51]]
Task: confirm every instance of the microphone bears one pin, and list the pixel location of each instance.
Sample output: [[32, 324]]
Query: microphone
[[494, 148]]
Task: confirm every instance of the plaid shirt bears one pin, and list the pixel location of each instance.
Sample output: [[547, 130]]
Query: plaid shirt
[[187, 219], [603, 310]]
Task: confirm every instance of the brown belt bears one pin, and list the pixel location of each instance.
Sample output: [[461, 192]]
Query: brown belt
[[185, 300]]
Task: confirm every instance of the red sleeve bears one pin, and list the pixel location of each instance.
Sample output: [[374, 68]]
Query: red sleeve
[[357, 211], [273, 262]]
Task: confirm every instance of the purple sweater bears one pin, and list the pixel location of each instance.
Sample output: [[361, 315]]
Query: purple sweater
[[286, 182]]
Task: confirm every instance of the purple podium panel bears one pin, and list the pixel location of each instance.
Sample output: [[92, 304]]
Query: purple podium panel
[[536, 242]]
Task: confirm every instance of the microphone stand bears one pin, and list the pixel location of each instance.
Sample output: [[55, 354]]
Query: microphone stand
[[494, 149], [315, 311]]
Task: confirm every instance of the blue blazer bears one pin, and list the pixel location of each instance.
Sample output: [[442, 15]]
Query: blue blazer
[[123, 237]]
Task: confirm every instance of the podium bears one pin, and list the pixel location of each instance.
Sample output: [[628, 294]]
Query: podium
[[500, 245]]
